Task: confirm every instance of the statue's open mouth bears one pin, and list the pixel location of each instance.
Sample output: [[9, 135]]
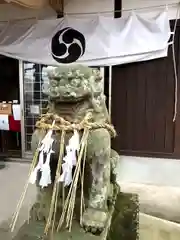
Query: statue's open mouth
[[69, 99]]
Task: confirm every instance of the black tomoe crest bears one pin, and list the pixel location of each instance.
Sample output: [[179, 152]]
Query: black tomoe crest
[[68, 45]]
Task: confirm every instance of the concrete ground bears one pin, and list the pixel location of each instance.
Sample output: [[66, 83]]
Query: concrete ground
[[158, 201], [156, 181], [12, 180]]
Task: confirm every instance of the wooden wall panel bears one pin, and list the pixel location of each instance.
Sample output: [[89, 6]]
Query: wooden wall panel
[[143, 107]]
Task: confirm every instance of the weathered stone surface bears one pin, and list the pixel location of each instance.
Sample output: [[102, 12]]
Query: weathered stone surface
[[125, 221], [34, 231], [15, 175], [124, 225], [77, 102], [77, 105]]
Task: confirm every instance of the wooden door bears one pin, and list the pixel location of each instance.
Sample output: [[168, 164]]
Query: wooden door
[[143, 107]]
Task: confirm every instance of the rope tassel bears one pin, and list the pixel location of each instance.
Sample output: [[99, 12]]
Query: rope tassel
[[75, 157], [68, 209], [55, 187], [18, 208]]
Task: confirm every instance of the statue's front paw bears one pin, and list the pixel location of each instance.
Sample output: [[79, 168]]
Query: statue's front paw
[[94, 220]]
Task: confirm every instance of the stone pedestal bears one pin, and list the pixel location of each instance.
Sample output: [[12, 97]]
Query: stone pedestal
[[124, 224]]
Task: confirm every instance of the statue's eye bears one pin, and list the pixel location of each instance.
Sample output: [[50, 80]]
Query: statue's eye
[[75, 82], [70, 75], [53, 83]]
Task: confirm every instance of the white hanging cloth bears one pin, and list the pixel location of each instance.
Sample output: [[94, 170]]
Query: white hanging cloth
[[101, 41]]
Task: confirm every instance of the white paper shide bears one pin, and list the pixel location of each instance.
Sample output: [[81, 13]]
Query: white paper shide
[[45, 151], [70, 159]]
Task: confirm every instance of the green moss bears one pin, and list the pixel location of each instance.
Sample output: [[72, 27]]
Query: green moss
[[125, 220]]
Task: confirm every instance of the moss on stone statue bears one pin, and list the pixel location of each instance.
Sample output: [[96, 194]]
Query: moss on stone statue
[[124, 224], [125, 220]]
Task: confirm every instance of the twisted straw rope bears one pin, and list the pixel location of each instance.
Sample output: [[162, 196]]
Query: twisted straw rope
[[45, 123]]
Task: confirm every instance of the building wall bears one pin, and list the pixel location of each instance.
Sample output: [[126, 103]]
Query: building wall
[[132, 4], [153, 171], [11, 12], [146, 170], [86, 6], [81, 6]]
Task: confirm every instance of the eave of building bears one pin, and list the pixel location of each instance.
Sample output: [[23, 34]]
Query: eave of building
[[57, 5]]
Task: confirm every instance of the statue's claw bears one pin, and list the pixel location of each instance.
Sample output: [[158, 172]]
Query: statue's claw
[[94, 220]]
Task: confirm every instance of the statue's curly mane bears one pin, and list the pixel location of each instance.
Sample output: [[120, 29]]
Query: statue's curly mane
[[73, 83], [77, 88]]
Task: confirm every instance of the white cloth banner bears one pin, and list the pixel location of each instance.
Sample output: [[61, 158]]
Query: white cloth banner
[[96, 41]]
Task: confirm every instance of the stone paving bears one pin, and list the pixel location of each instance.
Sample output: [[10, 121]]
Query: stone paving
[[12, 181], [157, 201]]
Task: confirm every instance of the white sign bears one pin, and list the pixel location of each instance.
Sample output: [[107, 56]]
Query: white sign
[[35, 109], [4, 122]]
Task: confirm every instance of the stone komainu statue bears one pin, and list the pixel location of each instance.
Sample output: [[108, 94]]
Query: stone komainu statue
[[74, 92]]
